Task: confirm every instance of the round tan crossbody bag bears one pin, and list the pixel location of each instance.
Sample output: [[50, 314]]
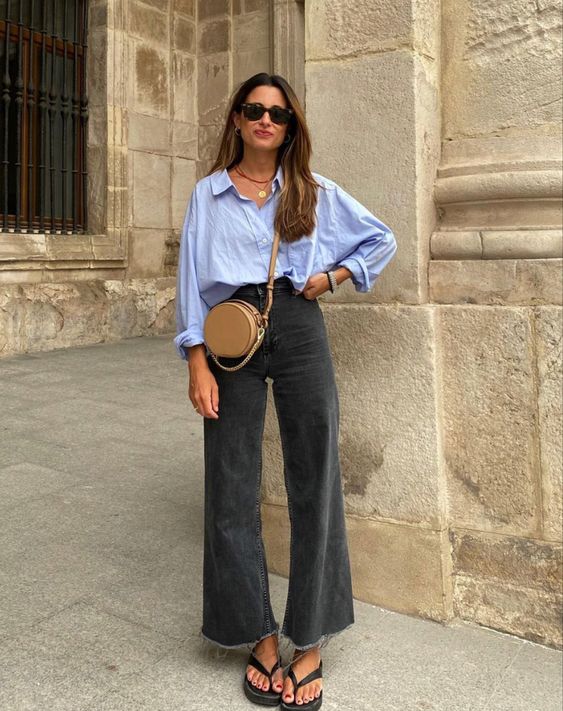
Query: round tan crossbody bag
[[235, 328]]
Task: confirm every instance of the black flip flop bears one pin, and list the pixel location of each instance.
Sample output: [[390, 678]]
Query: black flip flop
[[257, 696], [306, 705]]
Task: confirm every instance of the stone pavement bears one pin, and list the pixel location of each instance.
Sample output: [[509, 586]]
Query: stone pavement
[[101, 487]]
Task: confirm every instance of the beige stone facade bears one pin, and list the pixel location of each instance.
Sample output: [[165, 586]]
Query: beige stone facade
[[444, 118]]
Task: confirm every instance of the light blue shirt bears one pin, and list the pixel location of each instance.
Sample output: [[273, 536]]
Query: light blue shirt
[[227, 242]]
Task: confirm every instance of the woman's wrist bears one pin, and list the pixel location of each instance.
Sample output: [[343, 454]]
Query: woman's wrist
[[196, 355], [341, 274]]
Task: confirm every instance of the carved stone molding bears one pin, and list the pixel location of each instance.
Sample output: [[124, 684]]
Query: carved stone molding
[[497, 244], [500, 183]]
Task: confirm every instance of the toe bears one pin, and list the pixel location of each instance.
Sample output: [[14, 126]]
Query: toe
[[254, 677], [288, 691], [277, 680]]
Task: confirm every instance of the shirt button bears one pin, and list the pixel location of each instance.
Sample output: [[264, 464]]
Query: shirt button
[[275, 273], [264, 241]]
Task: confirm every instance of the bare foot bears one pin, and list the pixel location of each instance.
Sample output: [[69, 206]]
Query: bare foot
[[307, 662], [266, 651]]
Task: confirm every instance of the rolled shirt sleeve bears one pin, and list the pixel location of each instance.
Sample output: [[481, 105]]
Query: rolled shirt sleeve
[[191, 309], [365, 244]]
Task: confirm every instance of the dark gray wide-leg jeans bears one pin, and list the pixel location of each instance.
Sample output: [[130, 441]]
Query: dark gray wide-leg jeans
[[236, 602]]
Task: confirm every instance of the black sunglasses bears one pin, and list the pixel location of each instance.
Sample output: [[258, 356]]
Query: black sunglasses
[[253, 112]]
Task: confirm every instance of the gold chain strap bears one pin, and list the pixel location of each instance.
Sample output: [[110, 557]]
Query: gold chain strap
[[261, 332]]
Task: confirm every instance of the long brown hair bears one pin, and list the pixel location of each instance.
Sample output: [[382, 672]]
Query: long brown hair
[[295, 216]]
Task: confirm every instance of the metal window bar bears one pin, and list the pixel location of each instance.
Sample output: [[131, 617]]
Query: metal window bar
[[44, 115]]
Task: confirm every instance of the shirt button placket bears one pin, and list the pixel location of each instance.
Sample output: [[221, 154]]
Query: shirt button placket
[[265, 241]]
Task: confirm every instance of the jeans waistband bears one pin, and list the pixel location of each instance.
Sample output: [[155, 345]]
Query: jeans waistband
[[281, 284]]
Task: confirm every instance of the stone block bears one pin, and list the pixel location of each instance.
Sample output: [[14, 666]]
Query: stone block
[[163, 5], [496, 281], [495, 244], [68, 247], [456, 245], [184, 140], [184, 35], [388, 431], [213, 74], [212, 8], [187, 7], [97, 64], [493, 55], [255, 6], [148, 23], [97, 126], [251, 31], [246, 64], [118, 85], [527, 213], [489, 418], [184, 77], [508, 583], [276, 534], [548, 326], [522, 244], [183, 182], [394, 566], [97, 16], [387, 392], [151, 190], [148, 133], [150, 79], [22, 246], [209, 140], [97, 184], [146, 253], [340, 28], [398, 567], [214, 36]]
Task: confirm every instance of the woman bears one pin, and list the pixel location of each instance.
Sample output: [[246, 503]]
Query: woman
[[261, 181]]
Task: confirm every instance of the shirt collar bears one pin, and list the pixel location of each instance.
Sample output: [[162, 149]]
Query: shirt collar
[[221, 180]]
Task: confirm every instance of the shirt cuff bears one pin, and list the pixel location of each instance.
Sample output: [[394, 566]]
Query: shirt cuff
[[360, 275], [183, 341]]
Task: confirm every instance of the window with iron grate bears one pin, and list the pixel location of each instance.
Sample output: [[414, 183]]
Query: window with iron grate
[[43, 116]]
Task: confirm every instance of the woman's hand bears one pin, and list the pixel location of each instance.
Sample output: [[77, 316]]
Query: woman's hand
[[316, 285], [203, 389]]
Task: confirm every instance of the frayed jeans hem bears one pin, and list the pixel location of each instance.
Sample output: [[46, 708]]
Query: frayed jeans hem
[[241, 645], [321, 642]]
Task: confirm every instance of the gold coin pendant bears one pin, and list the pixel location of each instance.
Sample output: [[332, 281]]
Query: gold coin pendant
[[262, 193]]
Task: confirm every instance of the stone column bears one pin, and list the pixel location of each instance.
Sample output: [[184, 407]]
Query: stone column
[[496, 272]]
